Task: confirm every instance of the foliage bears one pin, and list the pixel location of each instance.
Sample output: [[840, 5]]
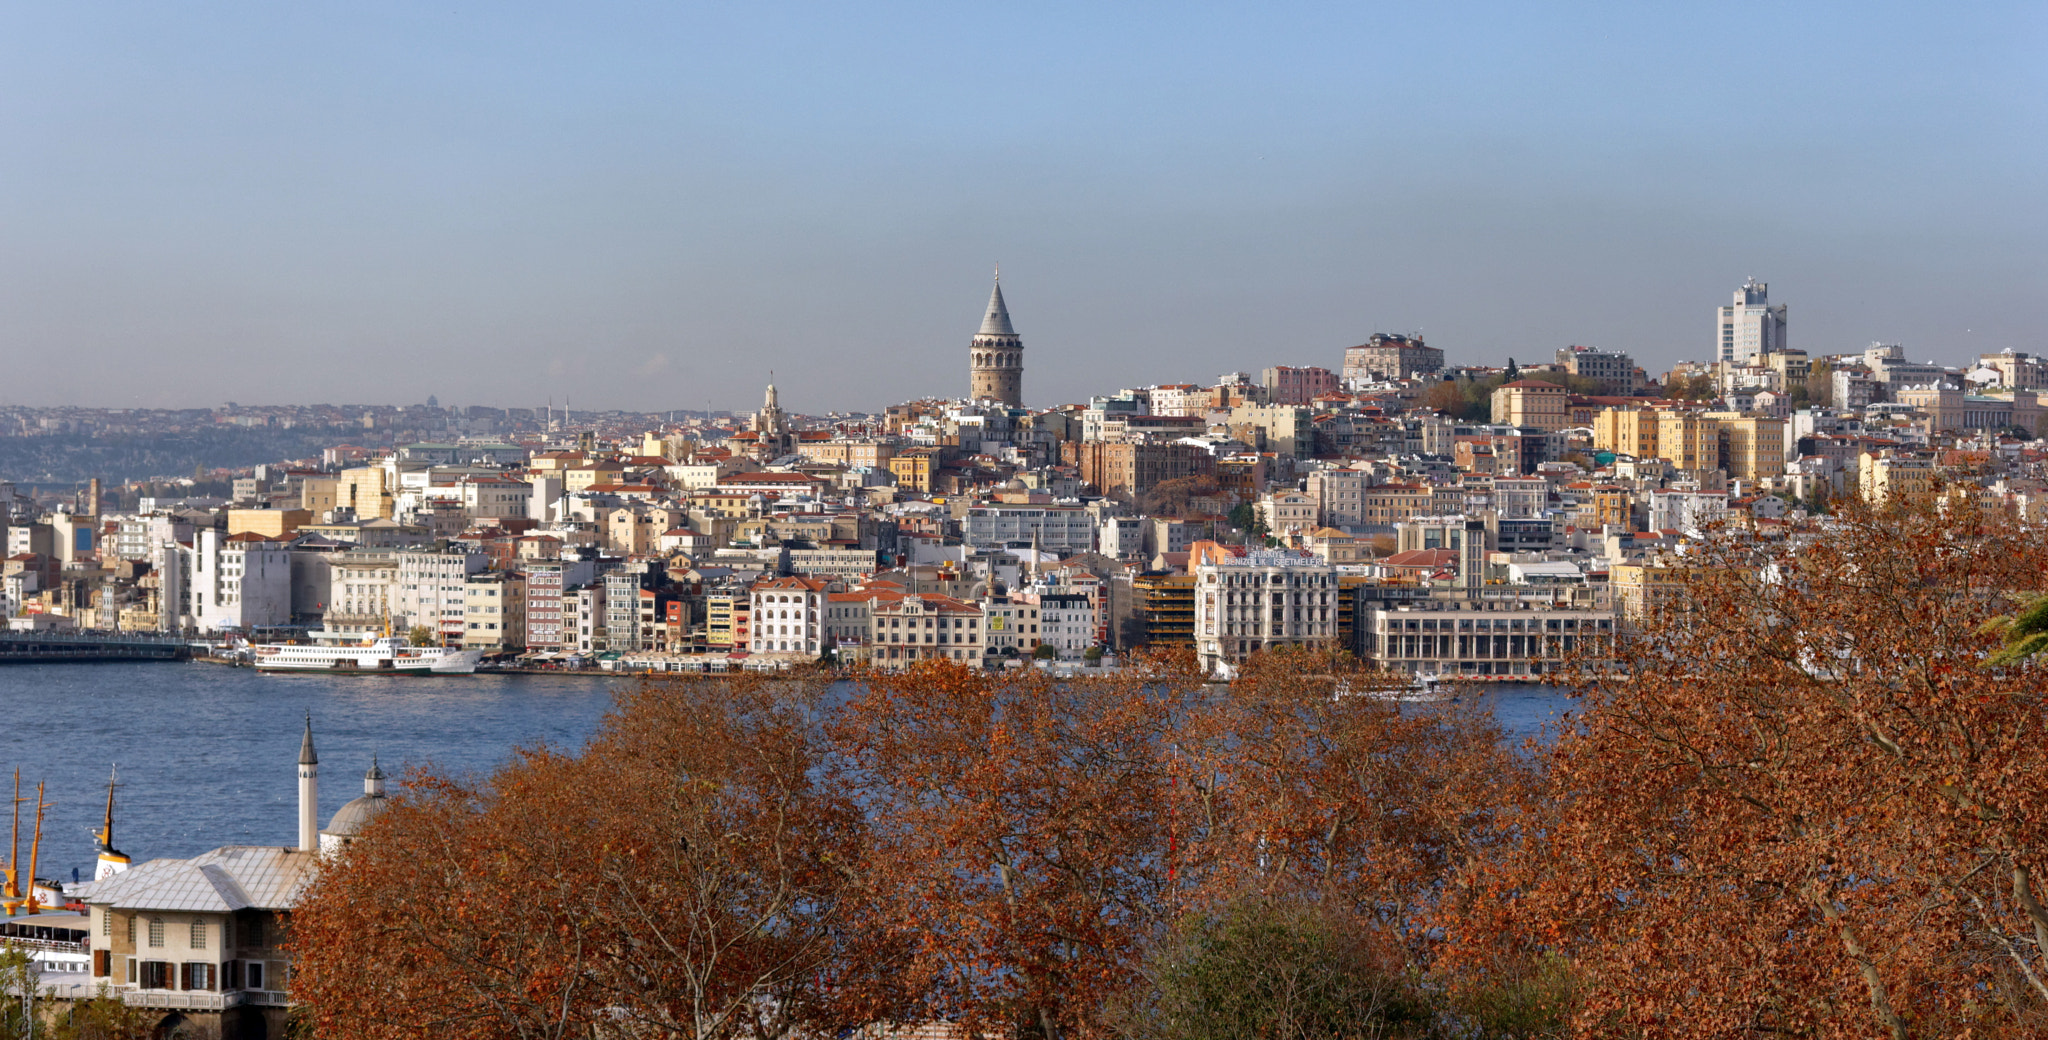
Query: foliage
[[103, 1016], [1809, 810], [1045, 652], [1699, 387], [1279, 969], [420, 635], [1175, 497], [2024, 635], [1092, 654], [1017, 823], [1820, 384], [686, 875], [1245, 517]]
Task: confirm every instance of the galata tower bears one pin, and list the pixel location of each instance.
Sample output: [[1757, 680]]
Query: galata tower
[[996, 356]]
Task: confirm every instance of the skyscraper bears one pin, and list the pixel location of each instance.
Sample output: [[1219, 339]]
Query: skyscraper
[[996, 355], [1750, 327]]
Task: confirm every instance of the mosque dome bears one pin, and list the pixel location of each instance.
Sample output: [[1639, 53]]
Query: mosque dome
[[350, 819]]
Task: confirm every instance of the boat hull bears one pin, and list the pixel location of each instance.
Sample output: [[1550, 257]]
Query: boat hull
[[348, 660]]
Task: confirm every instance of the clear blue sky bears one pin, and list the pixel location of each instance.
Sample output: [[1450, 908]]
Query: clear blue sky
[[652, 205]]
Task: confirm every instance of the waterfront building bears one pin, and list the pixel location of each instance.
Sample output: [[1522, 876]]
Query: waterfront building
[[432, 591], [1484, 633], [1247, 600], [494, 612], [1010, 624], [202, 940], [905, 629], [238, 582], [787, 616]]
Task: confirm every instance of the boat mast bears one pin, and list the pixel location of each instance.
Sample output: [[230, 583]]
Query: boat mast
[[14, 849], [36, 846]]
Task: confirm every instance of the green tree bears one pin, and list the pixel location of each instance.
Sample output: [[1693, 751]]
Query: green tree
[[102, 1016], [2025, 634], [1045, 652], [1265, 968], [1245, 517], [420, 635]]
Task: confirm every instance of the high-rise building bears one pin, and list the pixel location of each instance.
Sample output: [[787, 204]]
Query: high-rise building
[[1750, 327], [996, 355]]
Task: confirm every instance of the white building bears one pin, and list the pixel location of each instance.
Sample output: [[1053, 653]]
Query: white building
[[240, 582], [1750, 327], [430, 591], [1066, 530], [787, 616], [1067, 621], [1686, 510], [1252, 600]]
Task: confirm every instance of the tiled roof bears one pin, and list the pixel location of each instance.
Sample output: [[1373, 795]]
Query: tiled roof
[[236, 877]]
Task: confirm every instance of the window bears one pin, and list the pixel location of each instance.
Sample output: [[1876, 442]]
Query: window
[[156, 931], [107, 921], [199, 935]]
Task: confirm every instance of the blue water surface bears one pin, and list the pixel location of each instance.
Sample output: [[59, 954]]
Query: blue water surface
[[208, 754]]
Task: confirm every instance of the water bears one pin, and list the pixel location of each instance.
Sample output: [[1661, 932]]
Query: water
[[209, 755]]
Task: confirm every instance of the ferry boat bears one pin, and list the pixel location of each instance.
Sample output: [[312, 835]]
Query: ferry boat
[[386, 655], [1422, 689]]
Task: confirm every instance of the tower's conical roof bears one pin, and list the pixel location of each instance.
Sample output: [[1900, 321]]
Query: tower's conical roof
[[997, 321], [306, 755]]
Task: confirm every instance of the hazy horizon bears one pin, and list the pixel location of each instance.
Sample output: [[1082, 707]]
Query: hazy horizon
[[650, 208]]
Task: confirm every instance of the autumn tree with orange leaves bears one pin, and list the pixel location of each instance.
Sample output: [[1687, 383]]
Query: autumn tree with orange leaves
[[686, 875], [1814, 805], [1019, 835]]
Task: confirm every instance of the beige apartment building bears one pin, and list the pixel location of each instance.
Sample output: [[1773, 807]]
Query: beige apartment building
[[1532, 403]]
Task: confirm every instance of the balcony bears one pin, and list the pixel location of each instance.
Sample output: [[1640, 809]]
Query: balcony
[[170, 999]]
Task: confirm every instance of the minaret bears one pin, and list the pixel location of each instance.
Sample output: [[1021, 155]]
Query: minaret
[[309, 792], [996, 355]]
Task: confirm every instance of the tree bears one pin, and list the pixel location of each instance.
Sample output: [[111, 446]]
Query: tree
[[1019, 824], [1045, 652], [686, 875], [102, 1016], [1245, 517], [1512, 372], [420, 635], [1820, 384], [2024, 635], [1812, 807], [1270, 968]]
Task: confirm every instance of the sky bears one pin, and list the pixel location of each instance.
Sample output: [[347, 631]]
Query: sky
[[655, 206]]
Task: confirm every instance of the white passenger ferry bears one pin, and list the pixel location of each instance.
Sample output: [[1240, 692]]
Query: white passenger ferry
[[387, 655]]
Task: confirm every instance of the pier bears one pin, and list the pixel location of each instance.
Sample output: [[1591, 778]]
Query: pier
[[52, 647]]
